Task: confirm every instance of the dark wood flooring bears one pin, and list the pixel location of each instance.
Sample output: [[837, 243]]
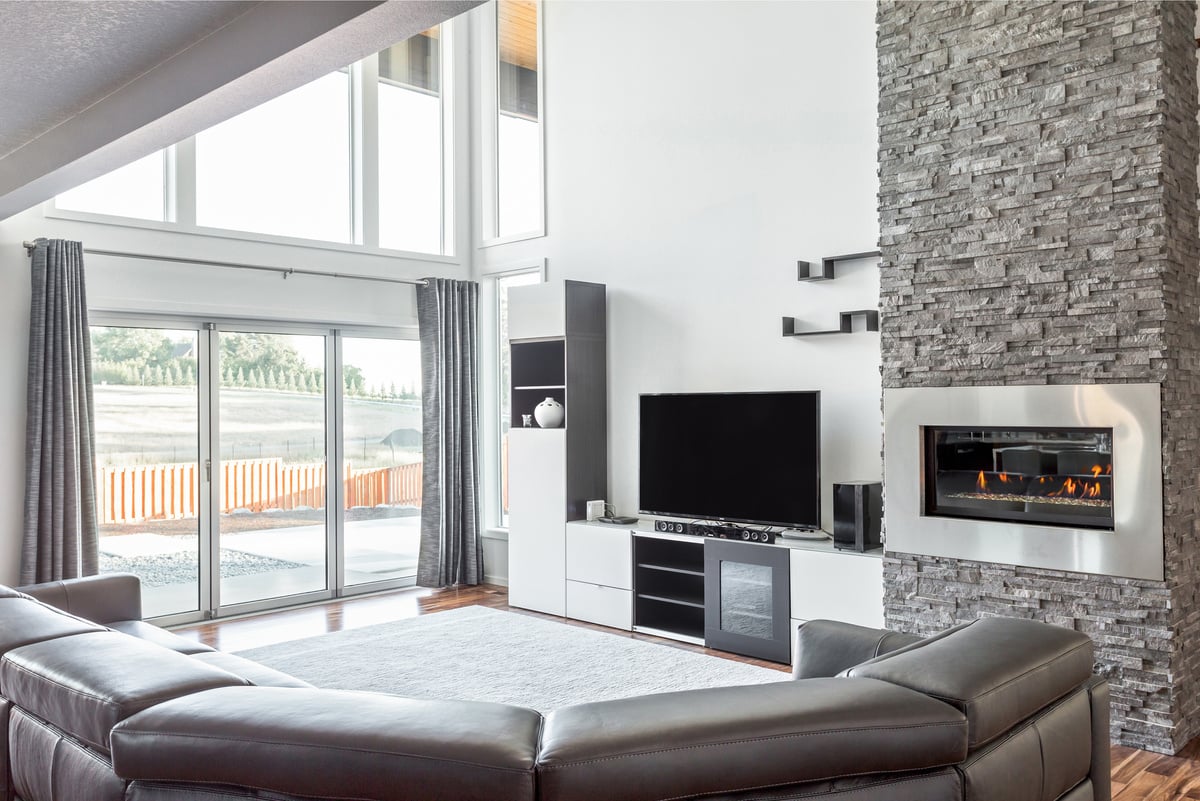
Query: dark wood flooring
[[1136, 775]]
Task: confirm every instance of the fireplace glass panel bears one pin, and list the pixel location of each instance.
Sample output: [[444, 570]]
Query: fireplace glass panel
[[1024, 475]]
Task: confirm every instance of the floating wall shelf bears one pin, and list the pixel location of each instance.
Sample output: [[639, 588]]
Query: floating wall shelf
[[804, 270], [845, 324]]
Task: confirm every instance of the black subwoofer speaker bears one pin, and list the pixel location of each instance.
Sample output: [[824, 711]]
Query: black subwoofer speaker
[[857, 513]]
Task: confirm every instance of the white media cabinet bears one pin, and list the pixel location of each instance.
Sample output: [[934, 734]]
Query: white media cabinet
[[823, 581]]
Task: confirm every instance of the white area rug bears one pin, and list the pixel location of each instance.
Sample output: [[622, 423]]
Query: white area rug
[[482, 654]]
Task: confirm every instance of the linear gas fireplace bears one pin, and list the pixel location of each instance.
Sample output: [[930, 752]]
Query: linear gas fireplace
[[1066, 477], [1061, 477]]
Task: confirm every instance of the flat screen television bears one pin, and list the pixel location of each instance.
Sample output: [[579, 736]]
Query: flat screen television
[[742, 457]]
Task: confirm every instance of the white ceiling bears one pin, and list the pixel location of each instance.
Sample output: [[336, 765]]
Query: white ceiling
[[89, 85]]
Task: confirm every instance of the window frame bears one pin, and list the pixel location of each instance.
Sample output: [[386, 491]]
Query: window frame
[[489, 114], [180, 182], [490, 435]]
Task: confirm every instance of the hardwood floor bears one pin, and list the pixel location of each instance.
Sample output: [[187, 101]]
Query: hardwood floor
[[1136, 775]]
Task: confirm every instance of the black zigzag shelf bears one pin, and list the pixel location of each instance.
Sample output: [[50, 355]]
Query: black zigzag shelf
[[845, 324]]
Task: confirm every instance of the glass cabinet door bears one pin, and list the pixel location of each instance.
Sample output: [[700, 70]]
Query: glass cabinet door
[[746, 599]]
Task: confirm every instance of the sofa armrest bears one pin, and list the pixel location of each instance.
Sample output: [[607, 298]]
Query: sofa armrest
[[334, 744], [998, 671], [101, 599], [727, 740], [825, 648]]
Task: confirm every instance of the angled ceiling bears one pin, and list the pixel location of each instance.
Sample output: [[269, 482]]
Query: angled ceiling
[[89, 85]]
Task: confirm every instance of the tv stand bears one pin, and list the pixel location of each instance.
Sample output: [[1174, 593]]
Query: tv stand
[[635, 578]]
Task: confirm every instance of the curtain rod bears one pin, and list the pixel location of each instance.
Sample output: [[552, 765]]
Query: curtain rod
[[284, 271]]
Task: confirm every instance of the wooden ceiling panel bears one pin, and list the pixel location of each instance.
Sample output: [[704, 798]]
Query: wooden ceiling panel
[[516, 32]]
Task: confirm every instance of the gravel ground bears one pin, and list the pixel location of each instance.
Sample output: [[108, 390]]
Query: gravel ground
[[159, 570], [250, 521], [180, 568]]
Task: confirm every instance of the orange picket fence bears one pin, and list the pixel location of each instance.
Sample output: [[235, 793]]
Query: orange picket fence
[[133, 493]]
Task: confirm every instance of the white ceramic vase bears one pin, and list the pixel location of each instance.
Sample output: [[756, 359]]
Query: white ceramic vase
[[549, 413]]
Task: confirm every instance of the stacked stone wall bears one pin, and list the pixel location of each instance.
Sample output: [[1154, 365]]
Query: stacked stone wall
[[1038, 226]]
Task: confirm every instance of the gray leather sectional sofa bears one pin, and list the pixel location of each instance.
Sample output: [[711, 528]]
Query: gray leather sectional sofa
[[100, 706]]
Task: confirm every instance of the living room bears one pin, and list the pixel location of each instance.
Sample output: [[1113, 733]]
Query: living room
[[689, 179]]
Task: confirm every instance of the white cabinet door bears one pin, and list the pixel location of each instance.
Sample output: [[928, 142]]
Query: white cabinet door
[[600, 555], [837, 586], [537, 504], [537, 311]]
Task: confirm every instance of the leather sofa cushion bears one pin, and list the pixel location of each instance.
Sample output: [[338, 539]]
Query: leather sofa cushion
[[87, 683], [256, 674], [24, 621], [731, 739], [334, 744], [100, 599], [159, 636], [942, 784], [998, 671], [1054, 750], [46, 764], [825, 648]]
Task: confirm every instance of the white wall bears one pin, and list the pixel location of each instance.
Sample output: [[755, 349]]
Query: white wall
[[133, 285], [695, 151]]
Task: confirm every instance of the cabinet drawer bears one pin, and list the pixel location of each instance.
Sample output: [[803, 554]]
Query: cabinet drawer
[[600, 555], [596, 603]]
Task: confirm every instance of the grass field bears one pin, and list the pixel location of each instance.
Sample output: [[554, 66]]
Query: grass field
[[153, 425]]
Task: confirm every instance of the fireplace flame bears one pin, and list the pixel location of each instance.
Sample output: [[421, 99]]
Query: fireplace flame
[[981, 483], [1097, 470], [1071, 488], [1067, 488]]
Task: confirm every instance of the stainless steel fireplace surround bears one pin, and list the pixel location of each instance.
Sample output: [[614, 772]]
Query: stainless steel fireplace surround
[[1134, 546]]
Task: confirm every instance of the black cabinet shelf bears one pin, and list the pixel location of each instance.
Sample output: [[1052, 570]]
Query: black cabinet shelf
[[668, 585], [828, 271], [667, 569], [870, 318], [664, 600]]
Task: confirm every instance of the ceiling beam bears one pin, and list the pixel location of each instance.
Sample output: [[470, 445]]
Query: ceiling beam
[[273, 48]]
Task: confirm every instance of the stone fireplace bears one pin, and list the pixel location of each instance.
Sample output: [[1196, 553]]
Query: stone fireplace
[[1038, 228]]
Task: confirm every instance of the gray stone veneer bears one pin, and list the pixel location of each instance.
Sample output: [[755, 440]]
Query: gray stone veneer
[[1038, 224]]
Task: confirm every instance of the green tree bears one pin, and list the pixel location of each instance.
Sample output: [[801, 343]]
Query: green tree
[[351, 375], [262, 351]]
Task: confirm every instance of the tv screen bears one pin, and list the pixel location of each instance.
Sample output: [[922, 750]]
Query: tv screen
[[745, 457]]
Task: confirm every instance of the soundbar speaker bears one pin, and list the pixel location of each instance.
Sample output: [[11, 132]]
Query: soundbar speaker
[[857, 515]]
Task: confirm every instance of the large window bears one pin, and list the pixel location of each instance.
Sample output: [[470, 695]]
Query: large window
[[512, 194], [504, 360], [358, 157], [518, 128], [282, 168], [140, 190], [411, 174]]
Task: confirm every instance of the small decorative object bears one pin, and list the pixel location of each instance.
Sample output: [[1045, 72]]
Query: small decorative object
[[527, 420], [549, 413]]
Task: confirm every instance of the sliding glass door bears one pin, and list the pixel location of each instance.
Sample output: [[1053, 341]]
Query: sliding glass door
[[381, 432], [273, 467], [148, 452], [242, 467]]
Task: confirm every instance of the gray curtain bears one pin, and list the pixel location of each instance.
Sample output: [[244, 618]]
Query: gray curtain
[[451, 552], [60, 485]]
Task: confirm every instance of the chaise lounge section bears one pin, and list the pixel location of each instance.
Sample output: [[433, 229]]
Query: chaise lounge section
[[97, 704]]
